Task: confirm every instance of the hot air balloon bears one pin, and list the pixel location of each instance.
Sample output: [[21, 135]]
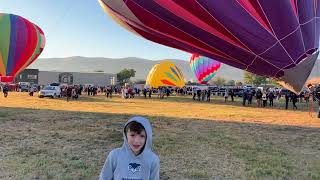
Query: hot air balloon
[[203, 68], [166, 73], [21, 42], [278, 39]]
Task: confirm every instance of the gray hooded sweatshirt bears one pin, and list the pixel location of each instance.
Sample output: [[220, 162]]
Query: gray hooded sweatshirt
[[123, 164]]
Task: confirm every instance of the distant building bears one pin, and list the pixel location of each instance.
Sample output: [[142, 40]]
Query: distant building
[[94, 78], [34, 76], [28, 75]]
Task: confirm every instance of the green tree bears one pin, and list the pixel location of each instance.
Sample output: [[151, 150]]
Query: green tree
[[231, 83], [239, 83], [191, 83], [124, 75], [218, 81], [256, 80], [273, 82], [248, 78]]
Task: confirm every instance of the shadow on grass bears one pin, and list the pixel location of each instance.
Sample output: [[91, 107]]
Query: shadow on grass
[[49, 144], [86, 99], [217, 100], [278, 105]]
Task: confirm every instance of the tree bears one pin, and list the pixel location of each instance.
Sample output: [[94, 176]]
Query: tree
[[239, 83], [191, 83], [273, 82], [219, 81], [248, 78], [231, 83], [256, 80], [124, 75]]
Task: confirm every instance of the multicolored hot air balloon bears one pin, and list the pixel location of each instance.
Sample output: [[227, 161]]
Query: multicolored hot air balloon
[[21, 42], [203, 68], [274, 38], [166, 73]]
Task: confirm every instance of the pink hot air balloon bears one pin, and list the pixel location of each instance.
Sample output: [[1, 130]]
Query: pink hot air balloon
[[203, 68]]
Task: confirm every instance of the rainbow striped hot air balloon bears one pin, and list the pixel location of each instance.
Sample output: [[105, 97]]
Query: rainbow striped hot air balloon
[[21, 42], [166, 73], [203, 68]]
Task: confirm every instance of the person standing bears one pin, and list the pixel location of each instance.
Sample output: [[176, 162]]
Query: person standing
[[270, 97], [150, 92], [264, 99], [259, 98], [194, 93], [287, 98], [5, 90], [232, 95], [249, 97], [135, 159], [144, 92], [226, 95], [244, 97], [294, 100], [208, 95]]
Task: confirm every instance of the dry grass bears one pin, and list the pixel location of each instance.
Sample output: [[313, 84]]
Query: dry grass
[[182, 107], [55, 139]]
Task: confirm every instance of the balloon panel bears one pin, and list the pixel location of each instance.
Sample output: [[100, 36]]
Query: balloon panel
[[264, 37]]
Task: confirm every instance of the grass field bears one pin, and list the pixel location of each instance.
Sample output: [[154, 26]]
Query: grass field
[[55, 139]]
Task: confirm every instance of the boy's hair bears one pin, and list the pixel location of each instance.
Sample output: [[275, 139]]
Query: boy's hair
[[134, 126]]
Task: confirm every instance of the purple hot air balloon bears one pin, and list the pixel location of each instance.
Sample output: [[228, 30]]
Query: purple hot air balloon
[[273, 38]]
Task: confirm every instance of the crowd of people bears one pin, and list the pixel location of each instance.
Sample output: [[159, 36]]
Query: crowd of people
[[266, 98], [263, 98]]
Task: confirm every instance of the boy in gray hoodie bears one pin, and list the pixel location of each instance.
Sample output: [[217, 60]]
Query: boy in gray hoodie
[[135, 159]]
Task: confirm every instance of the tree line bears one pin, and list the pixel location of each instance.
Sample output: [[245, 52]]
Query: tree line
[[249, 78]]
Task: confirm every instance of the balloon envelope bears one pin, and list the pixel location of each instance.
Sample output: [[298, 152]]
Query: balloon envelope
[[203, 68], [278, 39], [21, 42], [166, 73]]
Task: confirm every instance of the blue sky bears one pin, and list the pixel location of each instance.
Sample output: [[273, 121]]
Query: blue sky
[[81, 28]]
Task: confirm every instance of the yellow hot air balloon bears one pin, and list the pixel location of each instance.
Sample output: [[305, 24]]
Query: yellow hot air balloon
[[166, 73]]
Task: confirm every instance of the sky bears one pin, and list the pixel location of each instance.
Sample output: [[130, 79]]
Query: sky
[[81, 28]]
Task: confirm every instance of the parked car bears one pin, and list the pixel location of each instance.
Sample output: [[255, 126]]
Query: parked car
[[50, 91], [55, 84], [24, 86], [283, 92], [221, 91], [238, 93]]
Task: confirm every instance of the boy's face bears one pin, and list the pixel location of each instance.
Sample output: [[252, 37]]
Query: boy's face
[[136, 141]]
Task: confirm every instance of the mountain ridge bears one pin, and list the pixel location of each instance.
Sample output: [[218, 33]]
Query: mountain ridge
[[141, 65]]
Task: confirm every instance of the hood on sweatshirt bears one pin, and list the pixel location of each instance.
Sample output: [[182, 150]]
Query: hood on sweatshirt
[[147, 126]]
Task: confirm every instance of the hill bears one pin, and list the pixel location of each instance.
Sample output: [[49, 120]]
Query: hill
[[108, 65], [142, 66]]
